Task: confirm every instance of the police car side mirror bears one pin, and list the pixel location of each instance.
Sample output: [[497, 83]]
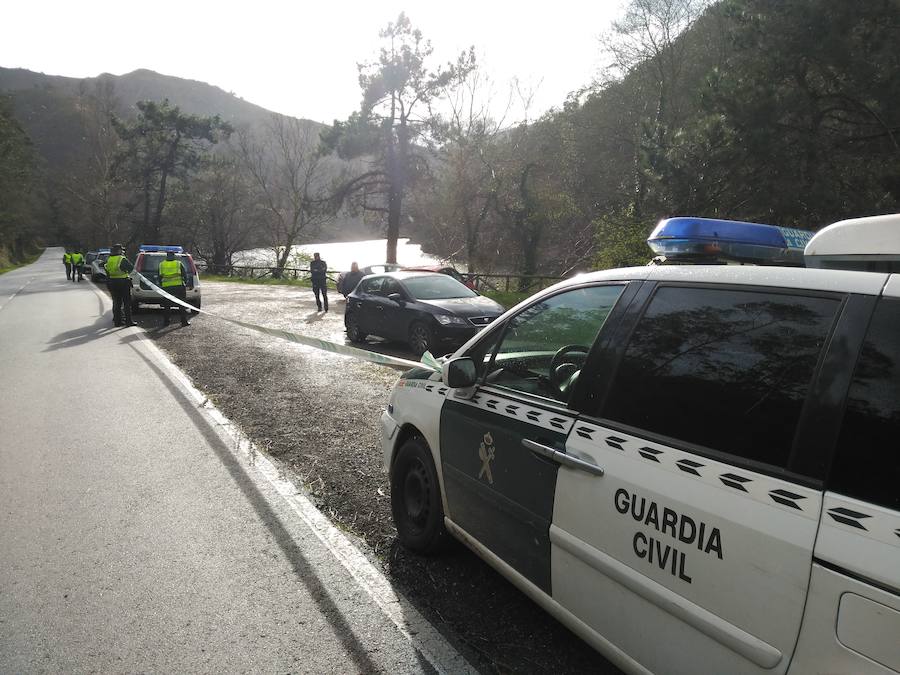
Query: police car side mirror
[[459, 373]]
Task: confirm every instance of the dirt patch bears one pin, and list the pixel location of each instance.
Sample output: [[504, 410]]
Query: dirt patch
[[316, 415]]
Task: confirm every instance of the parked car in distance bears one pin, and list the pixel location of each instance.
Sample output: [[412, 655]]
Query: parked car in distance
[[98, 272], [449, 270], [89, 259], [428, 311], [147, 264], [365, 271]]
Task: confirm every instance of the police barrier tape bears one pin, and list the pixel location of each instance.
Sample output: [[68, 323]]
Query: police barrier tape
[[428, 361]]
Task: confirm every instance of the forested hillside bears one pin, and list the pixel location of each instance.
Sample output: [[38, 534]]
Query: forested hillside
[[778, 111]]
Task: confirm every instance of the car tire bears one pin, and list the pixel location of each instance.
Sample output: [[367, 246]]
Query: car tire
[[416, 499], [354, 332], [421, 338], [196, 309]]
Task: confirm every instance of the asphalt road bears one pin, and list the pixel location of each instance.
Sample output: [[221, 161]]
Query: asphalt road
[[134, 536]]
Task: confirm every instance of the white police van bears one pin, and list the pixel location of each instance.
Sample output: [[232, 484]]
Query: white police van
[[696, 468]]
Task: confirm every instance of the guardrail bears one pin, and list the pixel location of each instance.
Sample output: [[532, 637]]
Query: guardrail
[[495, 282]]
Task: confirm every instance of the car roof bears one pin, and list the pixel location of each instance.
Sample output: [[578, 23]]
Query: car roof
[[404, 274], [842, 281], [428, 268]]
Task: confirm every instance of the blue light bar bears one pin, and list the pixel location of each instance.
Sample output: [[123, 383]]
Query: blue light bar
[[102, 250], [712, 239], [155, 248]]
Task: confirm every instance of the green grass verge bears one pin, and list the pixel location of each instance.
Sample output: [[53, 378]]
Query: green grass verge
[[27, 261], [506, 298]]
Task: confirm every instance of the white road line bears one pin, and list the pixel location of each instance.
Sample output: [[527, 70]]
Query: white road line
[[9, 299], [411, 624]]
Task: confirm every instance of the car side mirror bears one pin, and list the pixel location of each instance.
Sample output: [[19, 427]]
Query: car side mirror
[[459, 373], [396, 297]]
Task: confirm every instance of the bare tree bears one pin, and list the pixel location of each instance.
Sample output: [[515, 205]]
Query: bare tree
[[469, 180], [92, 184], [644, 44], [292, 182], [216, 212]]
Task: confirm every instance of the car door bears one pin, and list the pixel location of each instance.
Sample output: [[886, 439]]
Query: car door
[[365, 303], [692, 552], [392, 316], [499, 490], [852, 619]]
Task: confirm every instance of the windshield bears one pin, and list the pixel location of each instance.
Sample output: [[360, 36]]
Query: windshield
[[436, 287]]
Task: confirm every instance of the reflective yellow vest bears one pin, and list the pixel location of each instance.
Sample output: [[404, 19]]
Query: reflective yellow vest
[[77, 258], [170, 273], [67, 258], [112, 267]]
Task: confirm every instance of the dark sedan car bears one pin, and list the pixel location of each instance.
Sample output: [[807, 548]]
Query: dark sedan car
[[432, 312]]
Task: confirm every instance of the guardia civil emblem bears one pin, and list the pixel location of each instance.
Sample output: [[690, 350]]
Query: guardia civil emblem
[[486, 453]]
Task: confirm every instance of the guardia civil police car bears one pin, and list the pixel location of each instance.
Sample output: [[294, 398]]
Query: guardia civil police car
[[696, 468], [147, 265]]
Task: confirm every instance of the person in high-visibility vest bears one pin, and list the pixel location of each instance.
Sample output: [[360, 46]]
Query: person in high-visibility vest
[[67, 261], [77, 262], [117, 267], [173, 280]]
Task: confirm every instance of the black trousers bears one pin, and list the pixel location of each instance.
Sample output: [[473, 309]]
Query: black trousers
[[181, 293], [77, 268], [68, 270], [120, 289], [321, 287]]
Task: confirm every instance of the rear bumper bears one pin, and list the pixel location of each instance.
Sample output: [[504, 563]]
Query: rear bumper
[[146, 297]]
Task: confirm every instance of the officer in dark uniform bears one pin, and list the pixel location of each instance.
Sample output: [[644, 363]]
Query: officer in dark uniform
[[117, 268], [317, 269]]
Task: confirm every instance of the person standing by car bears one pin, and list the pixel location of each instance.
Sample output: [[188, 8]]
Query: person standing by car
[[173, 280], [117, 267], [77, 261], [350, 280], [317, 269], [67, 261]]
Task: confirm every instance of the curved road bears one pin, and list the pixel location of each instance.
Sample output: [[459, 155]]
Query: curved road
[[134, 536]]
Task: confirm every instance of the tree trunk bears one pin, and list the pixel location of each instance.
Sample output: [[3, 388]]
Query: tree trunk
[[393, 229], [161, 197]]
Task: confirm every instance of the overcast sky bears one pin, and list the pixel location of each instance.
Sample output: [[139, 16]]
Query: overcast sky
[[299, 58]]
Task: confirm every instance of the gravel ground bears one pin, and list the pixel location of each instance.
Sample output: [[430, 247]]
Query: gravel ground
[[316, 415]]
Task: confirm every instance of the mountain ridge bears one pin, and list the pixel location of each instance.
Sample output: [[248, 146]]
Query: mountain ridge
[[194, 97]]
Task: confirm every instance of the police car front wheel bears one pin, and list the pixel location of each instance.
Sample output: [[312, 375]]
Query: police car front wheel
[[416, 499]]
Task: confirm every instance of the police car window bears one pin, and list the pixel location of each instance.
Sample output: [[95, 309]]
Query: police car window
[[545, 346], [727, 370], [868, 459]]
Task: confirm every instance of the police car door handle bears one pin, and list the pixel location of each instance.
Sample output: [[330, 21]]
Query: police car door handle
[[561, 457]]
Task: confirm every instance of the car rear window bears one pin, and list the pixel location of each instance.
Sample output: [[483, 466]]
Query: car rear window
[[436, 287], [149, 262], [868, 459]]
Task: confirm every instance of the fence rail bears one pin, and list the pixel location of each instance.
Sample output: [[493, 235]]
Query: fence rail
[[494, 282]]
